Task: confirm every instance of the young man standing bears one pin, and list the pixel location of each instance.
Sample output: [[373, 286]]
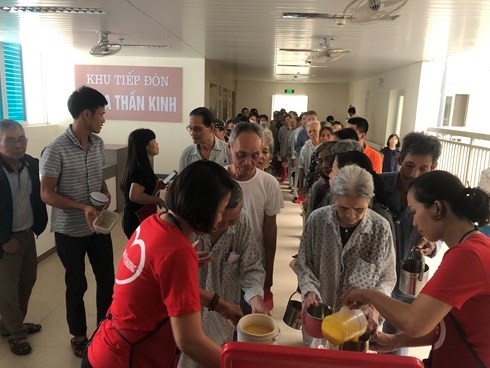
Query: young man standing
[[206, 145], [71, 168], [361, 126], [262, 197], [23, 215], [419, 155]]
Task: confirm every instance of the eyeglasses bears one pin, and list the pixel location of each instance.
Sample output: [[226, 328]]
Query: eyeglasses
[[12, 141], [195, 129]]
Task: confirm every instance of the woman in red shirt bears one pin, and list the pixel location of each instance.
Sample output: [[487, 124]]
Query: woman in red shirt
[[451, 311], [155, 312]]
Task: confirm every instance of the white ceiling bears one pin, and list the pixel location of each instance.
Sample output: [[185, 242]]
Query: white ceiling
[[250, 33]]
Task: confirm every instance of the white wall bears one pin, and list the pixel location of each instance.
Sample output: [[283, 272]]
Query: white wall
[[371, 97], [324, 98], [49, 82], [58, 83]]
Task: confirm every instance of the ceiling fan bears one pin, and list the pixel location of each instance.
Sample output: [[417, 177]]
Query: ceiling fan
[[104, 47], [357, 11], [367, 11], [326, 54]]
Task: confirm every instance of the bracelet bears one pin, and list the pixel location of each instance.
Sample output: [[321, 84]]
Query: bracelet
[[214, 302]]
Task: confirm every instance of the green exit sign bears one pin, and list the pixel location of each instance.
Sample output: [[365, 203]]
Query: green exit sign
[[289, 91]]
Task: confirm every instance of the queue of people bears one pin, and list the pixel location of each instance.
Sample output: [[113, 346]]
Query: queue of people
[[190, 272]]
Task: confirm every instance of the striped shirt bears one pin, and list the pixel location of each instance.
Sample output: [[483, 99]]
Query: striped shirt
[[79, 173], [219, 154]]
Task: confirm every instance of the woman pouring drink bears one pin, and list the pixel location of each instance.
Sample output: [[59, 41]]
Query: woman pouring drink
[[452, 310]]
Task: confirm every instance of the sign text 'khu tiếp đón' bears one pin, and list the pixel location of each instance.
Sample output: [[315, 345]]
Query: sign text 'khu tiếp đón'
[[136, 93]]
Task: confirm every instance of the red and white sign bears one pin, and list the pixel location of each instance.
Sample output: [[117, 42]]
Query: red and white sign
[[136, 93]]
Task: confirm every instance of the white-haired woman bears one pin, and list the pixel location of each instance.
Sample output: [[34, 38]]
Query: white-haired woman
[[345, 245]]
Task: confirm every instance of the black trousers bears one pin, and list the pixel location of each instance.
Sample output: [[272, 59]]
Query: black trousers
[[72, 251]]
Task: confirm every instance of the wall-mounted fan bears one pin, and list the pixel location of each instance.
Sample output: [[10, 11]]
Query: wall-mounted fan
[[367, 11], [326, 54], [106, 48]]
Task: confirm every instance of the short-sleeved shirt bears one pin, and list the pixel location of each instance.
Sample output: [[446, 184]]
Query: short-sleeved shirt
[[463, 281], [79, 172], [156, 279], [219, 154], [261, 196]]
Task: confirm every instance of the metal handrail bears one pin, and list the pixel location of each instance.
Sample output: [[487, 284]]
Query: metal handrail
[[472, 147]]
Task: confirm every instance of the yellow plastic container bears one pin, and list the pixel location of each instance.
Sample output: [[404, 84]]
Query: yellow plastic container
[[344, 325]]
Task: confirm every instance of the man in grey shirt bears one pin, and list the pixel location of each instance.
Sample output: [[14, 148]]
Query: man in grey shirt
[[206, 145], [71, 168], [23, 215]]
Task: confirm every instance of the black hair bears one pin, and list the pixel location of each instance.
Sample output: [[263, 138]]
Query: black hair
[[138, 140], [360, 159], [351, 110], [361, 124], [205, 113], [337, 123], [264, 116], [391, 136], [311, 112], [347, 133], [420, 144], [244, 108], [85, 98], [253, 110], [253, 114], [196, 193], [330, 119], [471, 204], [326, 128]]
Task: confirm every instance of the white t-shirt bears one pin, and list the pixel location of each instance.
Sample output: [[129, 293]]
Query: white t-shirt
[[261, 196]]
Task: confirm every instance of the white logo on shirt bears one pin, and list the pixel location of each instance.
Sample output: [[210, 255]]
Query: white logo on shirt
[[441, 336], [130, 265]]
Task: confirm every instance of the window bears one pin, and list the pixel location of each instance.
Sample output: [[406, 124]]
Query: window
[[12, 101]]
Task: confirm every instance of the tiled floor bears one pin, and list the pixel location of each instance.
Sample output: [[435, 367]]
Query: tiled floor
[[51, 347]]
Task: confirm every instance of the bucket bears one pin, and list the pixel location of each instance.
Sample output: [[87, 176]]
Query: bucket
[[361, 345], [314, 316], [292, 314], [414, 274], [257, 328], [344, 325]]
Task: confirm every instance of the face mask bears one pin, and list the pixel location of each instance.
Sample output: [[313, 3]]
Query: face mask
[[264, 124]]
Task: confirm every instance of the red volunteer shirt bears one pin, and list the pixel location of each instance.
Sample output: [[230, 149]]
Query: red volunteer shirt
[[156, 278]]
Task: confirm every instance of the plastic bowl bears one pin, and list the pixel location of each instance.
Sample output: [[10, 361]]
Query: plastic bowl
[[98, 199], [104, 223]]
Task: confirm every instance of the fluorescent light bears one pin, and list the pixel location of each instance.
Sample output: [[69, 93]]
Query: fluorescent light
[[51, 10]]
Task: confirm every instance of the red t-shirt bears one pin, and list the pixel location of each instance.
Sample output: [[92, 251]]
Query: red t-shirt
[[374, 157], [463, 281], [156, 278]]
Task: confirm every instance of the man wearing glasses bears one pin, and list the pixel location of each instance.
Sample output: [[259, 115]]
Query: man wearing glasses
[[206, 146], [23, 214]]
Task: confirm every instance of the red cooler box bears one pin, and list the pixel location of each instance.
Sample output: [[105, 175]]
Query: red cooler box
[[246, 355]]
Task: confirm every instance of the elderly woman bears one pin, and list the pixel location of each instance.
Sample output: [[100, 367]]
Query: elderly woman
[[451, 311], [346, 245]]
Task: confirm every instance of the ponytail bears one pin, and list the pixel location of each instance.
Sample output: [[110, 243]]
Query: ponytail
[[472, 204]]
